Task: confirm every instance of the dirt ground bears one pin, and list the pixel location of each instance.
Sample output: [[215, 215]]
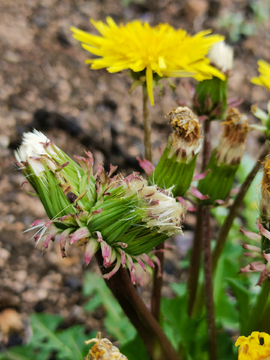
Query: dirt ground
[[44, 83]]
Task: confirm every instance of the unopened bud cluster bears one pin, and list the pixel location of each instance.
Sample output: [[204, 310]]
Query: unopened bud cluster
[[123, 216]]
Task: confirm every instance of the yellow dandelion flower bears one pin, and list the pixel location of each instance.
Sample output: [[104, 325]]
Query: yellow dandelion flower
[[159, 50], [264, 78], [254, 347]]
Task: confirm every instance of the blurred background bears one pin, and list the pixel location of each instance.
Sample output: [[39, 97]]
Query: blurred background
[[45, 84]]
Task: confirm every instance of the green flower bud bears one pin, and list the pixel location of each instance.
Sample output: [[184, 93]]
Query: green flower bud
[[225, 159], [210, 97], [176, 166]]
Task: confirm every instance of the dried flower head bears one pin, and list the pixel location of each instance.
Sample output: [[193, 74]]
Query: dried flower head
[[155, 51], [254, 347], [225, 159], [176, 167], [186, 140], [231, 145], [221, 56], [103, 349], [124, 217], [264, 78]]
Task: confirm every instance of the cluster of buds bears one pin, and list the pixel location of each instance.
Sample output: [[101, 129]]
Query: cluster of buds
[[262, 250], [103, 349], [123, 216], [210, 97], [255, 346], [177, 163], [225, 159]]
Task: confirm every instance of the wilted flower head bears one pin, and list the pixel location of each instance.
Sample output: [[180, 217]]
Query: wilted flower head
[[122, 216], [103, 349], [225, 159], [254, 347], [221, 56], [186, 140], [231, 145], [176, 167], [154, 52], [264, 78]]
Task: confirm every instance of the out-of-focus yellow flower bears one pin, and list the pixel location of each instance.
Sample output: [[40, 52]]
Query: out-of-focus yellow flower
[[264, 78], [103, 349], [254, 347], [160, 50]]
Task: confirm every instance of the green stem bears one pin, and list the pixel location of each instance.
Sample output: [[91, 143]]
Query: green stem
[[258, 309], [146, 126]]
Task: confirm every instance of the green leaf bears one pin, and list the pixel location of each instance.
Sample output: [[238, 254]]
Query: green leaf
[[116, 323], [243, 300], [135, 349]]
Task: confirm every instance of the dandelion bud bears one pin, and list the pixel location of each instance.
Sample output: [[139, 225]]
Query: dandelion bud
[[124, 217], [210, 97], [225, 158], [103, 349], [177, 163]]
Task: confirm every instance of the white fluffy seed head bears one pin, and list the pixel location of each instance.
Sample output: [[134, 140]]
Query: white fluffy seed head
[[221, 55]]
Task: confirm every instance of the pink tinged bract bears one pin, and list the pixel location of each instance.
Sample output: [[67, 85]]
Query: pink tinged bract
[[139, 273], [157, 261], [147, 260], [39, 222], [131, 268], [107, 253], [251, 235], [200, 176], [195, 192], [146, 165], [90, 249], [50, 237], [140, 263], [266, 256], [115, 269], [263, 231], [63, 239], [80, 234], [123, 257], [251, 248]]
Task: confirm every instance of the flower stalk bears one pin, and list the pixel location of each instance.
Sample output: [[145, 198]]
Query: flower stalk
[[157, 344], [146, 125]]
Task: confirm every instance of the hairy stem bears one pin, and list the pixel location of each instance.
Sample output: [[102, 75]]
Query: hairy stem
[[208, 287], [146, 126], [196, 250], [156, 342], [157, 283]]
